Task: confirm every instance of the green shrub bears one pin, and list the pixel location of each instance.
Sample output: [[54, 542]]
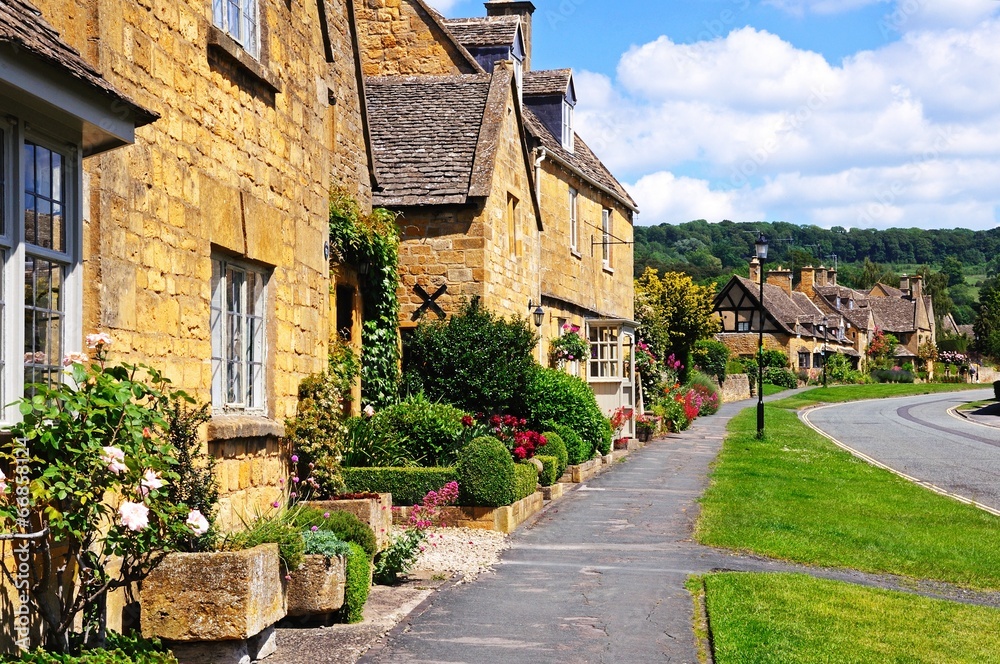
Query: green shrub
[[324, 543], [486, 475], [279, 528], [555, 396], [550, 469], [429, 433], [577, 449], [555, 446], [735, 366], [712, 357], [119, 649], [894, 376], [475, 360], [368, 448], [671, 413], [525, 480], [708, 389], [358, 583], [776, 359], [346, 526], [781, 377], [408, 486]]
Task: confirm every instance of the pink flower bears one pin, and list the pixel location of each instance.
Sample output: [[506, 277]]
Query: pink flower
[[3, 483], [276, 504], [369, 412], [314, 528], [134, 516], [198, 523], [74, 358], [295, 458], [150, 482], [99, 340], [115, 459]]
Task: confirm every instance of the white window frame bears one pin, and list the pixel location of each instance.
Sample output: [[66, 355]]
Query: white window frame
[[605, 361], [15, 252], [742, 326], [606, 238], [246, 31], [252, 351], [574, 219], [568, 141]]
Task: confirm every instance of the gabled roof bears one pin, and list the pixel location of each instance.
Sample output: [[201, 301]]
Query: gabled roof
[[425, 131], [890, 291], [484, 31], [439, 21], [547, 83], [859, 317], [894, 314], [23, 26], [793, 312], [582, 160]]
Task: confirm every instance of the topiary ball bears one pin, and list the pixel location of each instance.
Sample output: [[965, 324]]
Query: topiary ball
[[486, 473]]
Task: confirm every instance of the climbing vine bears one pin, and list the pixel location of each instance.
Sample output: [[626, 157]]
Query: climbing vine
[[356, 238]]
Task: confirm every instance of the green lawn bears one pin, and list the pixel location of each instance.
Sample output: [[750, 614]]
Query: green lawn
[[791, 619], [770, 389], [842, 393], [796, 496]]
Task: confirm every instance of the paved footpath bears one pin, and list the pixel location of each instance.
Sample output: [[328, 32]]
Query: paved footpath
[[599, 577]]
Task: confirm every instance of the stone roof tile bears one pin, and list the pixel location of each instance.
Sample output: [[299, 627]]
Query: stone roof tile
[[547, 83], [484, 31], [23, 26], [894, 314]]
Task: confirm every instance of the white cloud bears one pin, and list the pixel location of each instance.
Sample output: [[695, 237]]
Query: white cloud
[[802, 7], [749, 126]]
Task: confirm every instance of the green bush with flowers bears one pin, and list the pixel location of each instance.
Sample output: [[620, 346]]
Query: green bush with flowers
[[568, 347], [99, 463]]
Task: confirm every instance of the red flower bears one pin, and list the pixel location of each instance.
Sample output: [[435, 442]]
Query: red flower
[[468, 421]]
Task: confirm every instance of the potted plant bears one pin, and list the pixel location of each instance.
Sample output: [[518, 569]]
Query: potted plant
[[645, 426], [568, 347]]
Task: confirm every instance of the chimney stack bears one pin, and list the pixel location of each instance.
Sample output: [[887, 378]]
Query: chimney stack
[[904, 285], [781, 278], [917, 286], [522, 8], [821, 276], [807, 281], [755, 270], [831, 277]]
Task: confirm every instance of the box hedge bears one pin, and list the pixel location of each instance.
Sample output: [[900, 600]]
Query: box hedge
[[577, 449], [556, 396], [556, 447], [550, 470], [486, 475], [358, 583], [408, 486], [525, 480]]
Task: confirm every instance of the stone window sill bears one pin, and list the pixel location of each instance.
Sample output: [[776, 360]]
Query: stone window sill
[[576, 254], [230, 427], [609, 270], [225, 45]]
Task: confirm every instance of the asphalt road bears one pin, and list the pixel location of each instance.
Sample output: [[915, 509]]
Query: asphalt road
[[916, 436]]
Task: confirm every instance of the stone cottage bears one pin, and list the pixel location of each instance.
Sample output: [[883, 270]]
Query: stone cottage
[[199, 245]]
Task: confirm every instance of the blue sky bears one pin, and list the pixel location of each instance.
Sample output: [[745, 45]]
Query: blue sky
[[867, 113]]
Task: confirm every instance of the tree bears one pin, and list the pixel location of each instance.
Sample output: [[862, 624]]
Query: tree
[[711, 356], [987, 325], [952, 268], [882, 347], [673, 312]]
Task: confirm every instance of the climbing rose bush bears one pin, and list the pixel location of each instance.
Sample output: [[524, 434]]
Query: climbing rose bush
[[98, 464]]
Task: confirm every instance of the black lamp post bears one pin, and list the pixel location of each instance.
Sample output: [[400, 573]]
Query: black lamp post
[[760, 247]]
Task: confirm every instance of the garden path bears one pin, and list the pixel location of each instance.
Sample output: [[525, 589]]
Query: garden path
[[599, 576]]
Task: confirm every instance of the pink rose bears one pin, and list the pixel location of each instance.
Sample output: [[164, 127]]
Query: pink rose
[[134, 516]]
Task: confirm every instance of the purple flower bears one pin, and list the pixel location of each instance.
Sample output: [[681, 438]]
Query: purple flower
[[314, 528], [295, 458]]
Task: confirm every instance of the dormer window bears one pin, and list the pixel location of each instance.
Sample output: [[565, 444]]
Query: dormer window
[[567, 126]]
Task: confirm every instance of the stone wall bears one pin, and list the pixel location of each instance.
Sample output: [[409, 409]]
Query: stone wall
[[401, 38], [736, 387], [575, 284], [240, 162]]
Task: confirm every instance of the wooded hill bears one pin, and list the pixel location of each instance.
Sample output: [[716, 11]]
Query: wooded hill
[[954, 262]]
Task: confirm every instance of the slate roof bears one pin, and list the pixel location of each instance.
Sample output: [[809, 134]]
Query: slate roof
[[24, 27], [547, 83], [582, 159], [484, 31], [794, 313], [859, 316], [425, 130]]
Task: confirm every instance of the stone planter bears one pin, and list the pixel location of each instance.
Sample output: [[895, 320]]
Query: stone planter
[[317, 588], [621, 443], [376, 512], [644, 435], [582, 472], [504, 519], [215, 607]]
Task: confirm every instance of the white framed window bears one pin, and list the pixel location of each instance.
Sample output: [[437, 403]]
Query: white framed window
[[239, 345], [574, 224], [605, 352], [41, 310], [606, 238], [567, 126], [239, 20]]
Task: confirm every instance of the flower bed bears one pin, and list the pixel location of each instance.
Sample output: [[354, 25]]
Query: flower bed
[[504, 519], [376, 512]]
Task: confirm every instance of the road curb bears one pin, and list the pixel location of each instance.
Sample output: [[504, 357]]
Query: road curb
[[804, 417], [957, 414]]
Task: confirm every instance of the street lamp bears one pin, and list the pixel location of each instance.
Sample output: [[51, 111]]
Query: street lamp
[[760, 248]]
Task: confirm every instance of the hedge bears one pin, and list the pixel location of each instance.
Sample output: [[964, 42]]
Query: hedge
[[358, 583], [525, 480], [553, 395], [577, 449], [408, 486], [550, 472], [487, 474], [555, 446]]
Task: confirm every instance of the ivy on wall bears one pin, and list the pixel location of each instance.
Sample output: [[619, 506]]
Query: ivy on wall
[[372, 239]]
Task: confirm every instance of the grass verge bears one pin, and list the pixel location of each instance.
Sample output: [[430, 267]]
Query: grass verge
[[770, 389], [842, 393], [796, 496], [793, 618]]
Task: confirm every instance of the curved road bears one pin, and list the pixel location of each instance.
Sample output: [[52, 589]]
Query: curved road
[[918, 437]]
